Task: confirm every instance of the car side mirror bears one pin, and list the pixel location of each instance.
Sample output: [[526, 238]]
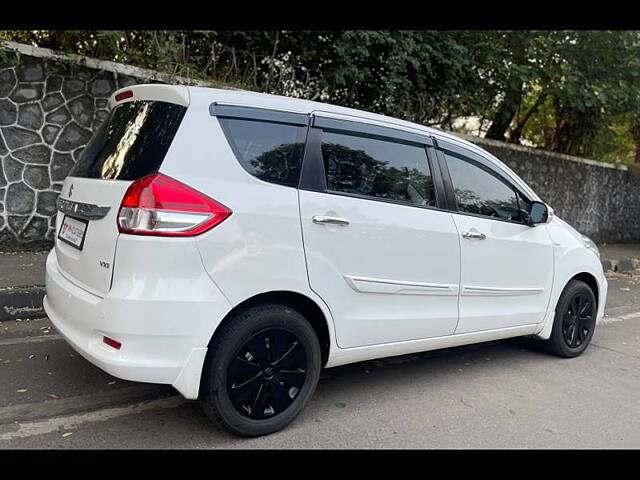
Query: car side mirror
[[539, 214], [526, 218]]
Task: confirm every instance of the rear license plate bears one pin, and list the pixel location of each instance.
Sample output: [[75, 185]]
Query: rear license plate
[[73, 231]]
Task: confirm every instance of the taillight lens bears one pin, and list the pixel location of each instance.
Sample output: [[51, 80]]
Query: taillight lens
[[159, 205]]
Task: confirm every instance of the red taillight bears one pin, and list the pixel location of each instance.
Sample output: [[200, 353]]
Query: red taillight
[[124, 95], [159, 205], [112, 343]]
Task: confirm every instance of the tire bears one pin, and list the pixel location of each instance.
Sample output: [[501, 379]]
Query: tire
[[567, 341], [254, 368]]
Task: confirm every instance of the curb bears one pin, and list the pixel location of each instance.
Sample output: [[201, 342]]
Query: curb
[[620, 265], [21, 302]]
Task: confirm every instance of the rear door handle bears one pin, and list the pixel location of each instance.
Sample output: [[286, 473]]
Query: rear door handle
[[478, 235], [330, 220]]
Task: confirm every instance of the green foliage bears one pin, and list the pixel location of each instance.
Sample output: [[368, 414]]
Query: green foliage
[[575, 92]]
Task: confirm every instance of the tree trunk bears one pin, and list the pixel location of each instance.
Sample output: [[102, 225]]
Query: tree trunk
[[505, 114], [635, 132], [512, 98], [517, 132], [555, 140]]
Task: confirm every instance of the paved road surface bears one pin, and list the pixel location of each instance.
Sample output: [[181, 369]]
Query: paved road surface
[[498, 394]]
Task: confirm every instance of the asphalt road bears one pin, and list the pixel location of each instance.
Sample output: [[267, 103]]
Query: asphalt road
[[505, 394]]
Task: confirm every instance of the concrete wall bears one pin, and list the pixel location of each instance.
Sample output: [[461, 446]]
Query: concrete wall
[[599, 199], [51, 103]]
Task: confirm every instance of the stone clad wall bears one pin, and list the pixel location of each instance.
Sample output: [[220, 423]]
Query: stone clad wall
[[50, 104], [48, 112]]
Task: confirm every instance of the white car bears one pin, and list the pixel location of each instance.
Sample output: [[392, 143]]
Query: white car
[[233, 244]]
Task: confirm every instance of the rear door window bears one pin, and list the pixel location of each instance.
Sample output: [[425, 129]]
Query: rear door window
[[377, 168], [271, 151], [132, 142]]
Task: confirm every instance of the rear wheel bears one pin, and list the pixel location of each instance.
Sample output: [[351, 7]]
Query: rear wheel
[[261, 370], [574, 322]]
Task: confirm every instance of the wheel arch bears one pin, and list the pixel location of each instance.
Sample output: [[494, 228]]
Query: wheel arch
[[584, 276], [591, 282], [306, 306]]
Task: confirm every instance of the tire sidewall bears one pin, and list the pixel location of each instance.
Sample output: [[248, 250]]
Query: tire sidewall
[[241, 329]]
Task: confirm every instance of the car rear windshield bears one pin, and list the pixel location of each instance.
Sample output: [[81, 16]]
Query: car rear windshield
[[132, 142]]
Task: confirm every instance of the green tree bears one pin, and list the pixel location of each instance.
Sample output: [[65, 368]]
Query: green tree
[[575, 92]]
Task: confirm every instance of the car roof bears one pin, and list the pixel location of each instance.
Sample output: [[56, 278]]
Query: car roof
[[278, 102], [208, 95]]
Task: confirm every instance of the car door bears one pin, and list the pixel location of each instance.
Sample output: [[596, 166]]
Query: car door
[[506, 266], [379, 251]]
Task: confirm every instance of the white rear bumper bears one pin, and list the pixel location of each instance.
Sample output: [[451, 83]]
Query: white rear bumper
[[164, 321]]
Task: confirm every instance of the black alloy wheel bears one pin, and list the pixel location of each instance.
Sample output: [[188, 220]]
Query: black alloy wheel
[[574, 322], [578, 320], [266, 373], [261, 369]]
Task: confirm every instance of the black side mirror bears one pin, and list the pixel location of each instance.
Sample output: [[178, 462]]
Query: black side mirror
[[539, 213]]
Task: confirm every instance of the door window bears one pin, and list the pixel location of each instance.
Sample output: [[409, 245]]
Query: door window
[[480, 191], [525, 203], [377, 168]]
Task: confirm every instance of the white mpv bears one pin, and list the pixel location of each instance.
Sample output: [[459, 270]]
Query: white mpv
[[233, 244]]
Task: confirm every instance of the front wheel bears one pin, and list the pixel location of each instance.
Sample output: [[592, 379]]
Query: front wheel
[[260, 370], [574, 321]]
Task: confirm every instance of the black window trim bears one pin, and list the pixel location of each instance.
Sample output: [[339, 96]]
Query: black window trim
[[226, 110], [313, 176], [441, 147], [357, 128]]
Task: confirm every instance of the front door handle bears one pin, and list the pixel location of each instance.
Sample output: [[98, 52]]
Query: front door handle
[[330, 220], [478, 235]]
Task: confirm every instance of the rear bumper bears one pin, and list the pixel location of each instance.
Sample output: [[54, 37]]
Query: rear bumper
[[163, 320]]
